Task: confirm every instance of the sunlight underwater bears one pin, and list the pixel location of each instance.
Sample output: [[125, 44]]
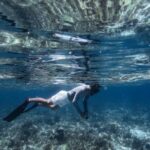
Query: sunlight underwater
[[36, 62]]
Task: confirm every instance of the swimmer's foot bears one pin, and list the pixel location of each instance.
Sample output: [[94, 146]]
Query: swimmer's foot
[[16, 112]]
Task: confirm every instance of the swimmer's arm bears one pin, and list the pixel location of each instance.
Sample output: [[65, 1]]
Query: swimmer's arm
[[74, 101], [85, 106], [77, 94], [76, 97], [75, 104], [78, 109]]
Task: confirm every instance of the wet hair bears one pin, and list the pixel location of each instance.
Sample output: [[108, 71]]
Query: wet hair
[[95, 88]]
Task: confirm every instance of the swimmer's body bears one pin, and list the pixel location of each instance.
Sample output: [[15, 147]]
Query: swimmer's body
[[60, 99]]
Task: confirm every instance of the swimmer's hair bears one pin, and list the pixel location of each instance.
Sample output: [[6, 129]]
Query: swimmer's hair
[[95, 88]]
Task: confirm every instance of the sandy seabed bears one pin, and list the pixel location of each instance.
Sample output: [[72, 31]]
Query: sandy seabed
[[112, 129]]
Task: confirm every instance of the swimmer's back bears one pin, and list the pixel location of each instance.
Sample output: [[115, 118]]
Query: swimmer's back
[[80, 88]]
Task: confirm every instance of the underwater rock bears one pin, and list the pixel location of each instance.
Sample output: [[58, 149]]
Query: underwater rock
[[59, 147], [137, 144], [140, 134], [102, 143], [146, 146], [113, 128], [27, 131], [59, 135]]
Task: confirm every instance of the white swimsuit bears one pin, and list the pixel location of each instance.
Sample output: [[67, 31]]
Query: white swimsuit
[[60, 99]]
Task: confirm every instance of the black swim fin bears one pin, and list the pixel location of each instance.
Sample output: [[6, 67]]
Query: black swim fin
[[32, 107], [16, 112]]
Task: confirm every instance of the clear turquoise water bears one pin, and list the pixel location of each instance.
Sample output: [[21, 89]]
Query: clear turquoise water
[[33, 63]]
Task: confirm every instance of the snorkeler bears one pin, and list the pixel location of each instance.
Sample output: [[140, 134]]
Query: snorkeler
[[60, 99]]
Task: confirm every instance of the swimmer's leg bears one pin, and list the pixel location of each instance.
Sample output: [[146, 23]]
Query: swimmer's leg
[[16, 112], [40, 100], [43, 101], [22, 108]]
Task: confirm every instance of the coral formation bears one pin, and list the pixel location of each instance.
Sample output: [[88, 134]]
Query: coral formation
[[108, 131]]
